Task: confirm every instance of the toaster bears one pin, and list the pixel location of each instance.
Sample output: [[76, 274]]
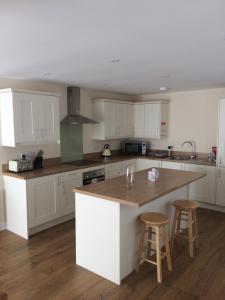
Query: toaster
[[20, 165]]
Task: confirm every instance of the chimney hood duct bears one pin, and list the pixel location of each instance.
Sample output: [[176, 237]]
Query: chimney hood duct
[[73, 105]]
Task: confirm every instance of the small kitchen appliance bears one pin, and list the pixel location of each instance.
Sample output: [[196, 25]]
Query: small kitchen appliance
[[106, 152], [134, 147], [20, 165]]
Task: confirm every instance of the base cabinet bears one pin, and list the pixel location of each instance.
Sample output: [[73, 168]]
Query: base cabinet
[[220, 195], [143, 164], [172, 165], [68, 182], [43, 204], [203, 190]]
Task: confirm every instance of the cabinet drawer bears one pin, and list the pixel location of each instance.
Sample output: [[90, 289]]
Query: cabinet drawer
[[70, 176]]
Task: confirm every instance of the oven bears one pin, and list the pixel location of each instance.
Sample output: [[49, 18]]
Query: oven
[[93, 176]]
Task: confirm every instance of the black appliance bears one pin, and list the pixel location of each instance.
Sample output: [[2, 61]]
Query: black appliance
[[93, 176], [134, 147]]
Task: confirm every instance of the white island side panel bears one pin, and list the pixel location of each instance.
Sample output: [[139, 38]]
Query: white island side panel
[[98, 236]]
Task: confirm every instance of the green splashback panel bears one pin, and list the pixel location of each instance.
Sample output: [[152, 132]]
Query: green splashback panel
[[71, 137]]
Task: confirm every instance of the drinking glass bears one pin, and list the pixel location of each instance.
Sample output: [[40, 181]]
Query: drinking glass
[[130, 175]]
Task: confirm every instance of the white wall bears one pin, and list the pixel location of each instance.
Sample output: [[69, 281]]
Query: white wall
[[192, 115]]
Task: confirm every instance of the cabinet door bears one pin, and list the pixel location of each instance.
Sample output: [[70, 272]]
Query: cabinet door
[[143, 164], [114, 170], [221, 134], [172, 165], [121, 119], [67, 196], [42, 200], [150, 163], [204, 189], [152, 120], [130, 120], [46, 117], [23, 116], [139, 120], [220, 193], [109, 119]]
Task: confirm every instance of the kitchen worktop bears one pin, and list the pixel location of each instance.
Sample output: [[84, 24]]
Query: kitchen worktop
[[62, 167], [143, 191]]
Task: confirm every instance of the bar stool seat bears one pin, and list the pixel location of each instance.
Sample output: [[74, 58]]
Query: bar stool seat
[[153, 225], [185, 204], [154, 218]]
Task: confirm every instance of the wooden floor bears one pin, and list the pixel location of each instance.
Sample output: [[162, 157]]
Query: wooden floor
[[44, 268]]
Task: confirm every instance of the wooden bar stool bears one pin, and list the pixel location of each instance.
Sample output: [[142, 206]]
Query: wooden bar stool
[[153, 224], [185, 210]]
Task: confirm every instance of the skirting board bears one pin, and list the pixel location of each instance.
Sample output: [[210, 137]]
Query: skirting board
[[2, 226], [212, 207]]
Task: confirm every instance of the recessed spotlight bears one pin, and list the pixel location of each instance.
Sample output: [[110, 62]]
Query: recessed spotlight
[[163, 88], [47, 74], [114, 61]]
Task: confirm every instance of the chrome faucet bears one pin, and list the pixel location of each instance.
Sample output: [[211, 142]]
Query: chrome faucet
[[192, 144]]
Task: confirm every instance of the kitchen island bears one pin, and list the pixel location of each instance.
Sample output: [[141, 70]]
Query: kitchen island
[[107, 218]]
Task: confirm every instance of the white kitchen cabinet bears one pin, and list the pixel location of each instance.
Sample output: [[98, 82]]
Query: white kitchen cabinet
[[46, 118], [220, 194], [68, 181], [43, 202], [204, 189], [143, 164], [28, 117], [172, 165], [151, 119], [114, 170], [132, 162], [115, 119], [221, 134], [139, 120], [104, 114], [156, 120]]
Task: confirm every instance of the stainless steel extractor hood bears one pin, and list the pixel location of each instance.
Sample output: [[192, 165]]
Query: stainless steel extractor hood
[[73, 105]]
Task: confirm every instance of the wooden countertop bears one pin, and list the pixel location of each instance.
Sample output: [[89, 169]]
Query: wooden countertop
[[143, 190], [61, 167]]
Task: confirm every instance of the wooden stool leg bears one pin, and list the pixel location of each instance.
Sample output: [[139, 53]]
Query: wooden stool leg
[[149, 246], [174, 229], [158, 255], [167, 246], [190, 233], [140, 247], [196, 227]]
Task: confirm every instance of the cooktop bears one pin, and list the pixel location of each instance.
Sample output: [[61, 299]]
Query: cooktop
[[82, 162]]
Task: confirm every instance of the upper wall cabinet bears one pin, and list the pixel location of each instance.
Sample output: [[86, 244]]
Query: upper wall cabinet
[[116, 119], [151, 119], [29, 117]]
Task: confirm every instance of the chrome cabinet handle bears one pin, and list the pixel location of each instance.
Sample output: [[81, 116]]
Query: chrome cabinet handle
[[219, 173]]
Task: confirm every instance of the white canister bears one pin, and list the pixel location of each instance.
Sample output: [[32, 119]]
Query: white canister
[[153, 174]]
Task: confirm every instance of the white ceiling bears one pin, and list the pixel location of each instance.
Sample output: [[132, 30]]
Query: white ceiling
[[176, 43]]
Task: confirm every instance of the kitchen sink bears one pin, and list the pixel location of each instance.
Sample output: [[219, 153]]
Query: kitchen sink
[[179, 158]]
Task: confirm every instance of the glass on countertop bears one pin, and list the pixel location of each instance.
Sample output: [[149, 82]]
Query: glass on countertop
[[130, 175]]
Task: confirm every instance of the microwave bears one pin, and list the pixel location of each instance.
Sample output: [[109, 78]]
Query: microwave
[[134, 147]]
